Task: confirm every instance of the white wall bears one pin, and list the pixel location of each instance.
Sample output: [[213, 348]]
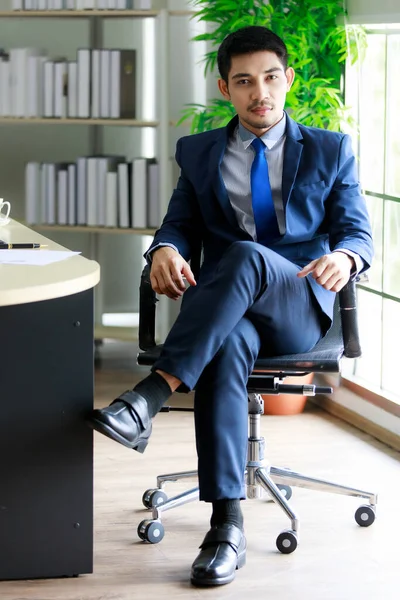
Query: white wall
[[371, 11]]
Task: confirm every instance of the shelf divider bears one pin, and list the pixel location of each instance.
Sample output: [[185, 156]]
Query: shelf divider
[[68, 121], [79, 14]]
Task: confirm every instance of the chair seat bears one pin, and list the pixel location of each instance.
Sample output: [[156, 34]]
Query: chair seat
[[324, 357]]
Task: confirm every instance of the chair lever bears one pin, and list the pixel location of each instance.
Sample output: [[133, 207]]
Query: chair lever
[[303, 390], [286, 388], [323, 389]]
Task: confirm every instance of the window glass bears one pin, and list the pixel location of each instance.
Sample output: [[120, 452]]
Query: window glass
[[373, 91], [369, 310], [391, 268], [372, 102], [393, 117], [375, 209], [391, 331]]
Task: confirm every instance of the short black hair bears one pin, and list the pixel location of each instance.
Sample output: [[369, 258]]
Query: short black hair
[[247, 40]]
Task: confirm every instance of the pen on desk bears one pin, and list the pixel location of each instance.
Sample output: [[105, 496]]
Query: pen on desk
[[5, 246]]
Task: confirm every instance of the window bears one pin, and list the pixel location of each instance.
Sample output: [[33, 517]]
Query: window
[[373, 91]]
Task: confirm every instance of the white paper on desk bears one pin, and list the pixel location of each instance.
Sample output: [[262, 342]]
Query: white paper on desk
[[38, 257]]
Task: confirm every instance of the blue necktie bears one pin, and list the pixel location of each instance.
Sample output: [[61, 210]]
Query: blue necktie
[[263, 206]]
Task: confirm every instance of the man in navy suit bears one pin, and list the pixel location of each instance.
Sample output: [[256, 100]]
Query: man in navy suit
[[277, 209]]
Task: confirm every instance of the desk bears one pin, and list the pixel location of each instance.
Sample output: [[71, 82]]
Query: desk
[[46, 389]]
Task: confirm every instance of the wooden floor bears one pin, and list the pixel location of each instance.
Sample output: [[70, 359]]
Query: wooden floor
[[335, 559]]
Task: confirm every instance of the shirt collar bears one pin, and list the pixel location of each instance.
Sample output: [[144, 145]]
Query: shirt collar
[[270, 138]]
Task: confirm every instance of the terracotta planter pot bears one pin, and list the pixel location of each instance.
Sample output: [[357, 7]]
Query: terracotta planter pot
[[287, 404]]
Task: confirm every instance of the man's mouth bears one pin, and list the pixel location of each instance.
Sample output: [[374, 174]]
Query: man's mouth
[[261, 110]]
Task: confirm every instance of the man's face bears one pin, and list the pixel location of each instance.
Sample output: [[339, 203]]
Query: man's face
[[257, 87]]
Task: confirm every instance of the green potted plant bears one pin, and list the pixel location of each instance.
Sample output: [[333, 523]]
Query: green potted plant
[[318, 43]]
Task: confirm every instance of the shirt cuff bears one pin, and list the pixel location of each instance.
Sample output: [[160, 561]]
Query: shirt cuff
[[148, 254], [357, 260]]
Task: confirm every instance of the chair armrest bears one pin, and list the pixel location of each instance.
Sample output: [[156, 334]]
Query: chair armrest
[[148, 300], [348, 315], [147, 311], [347, 303]]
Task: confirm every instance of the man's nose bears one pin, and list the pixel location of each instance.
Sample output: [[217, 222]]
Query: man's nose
[[260, 91]]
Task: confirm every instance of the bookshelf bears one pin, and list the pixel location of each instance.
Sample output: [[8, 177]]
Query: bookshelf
[[161, 124], [79, 14], [70, 121]]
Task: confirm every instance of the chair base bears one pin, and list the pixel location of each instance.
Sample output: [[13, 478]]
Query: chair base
[[261, 478]]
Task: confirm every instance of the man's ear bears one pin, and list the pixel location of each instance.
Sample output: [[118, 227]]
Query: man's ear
[[223, 88], [290, 74]]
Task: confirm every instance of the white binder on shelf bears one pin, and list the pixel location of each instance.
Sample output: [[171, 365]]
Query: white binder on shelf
[[35, 86], [48, 78], [60, 89], [105, 90], [124, 177], [92, 191], [32, 193], [51, 186], [95, 108], [5, 76], [153, 204], [105, 165], [111, 217], [139, 193], [43, 194], [84, 82], [81, 190], [72, 90], [71, 185], [62, 196]]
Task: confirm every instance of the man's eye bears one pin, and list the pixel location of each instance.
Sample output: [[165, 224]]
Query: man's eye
[[243, 81], [272, 77]]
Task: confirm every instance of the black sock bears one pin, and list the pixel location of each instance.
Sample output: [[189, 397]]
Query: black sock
[[155, 390], [227, 512]]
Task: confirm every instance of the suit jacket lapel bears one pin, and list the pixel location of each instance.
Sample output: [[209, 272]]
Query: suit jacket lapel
[[291, 158], [215, 158]]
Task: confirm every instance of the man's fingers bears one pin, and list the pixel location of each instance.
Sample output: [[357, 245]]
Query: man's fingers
[[162, 284], [167, 276], [339, 284], [307, 269], [325, 275], [177, 278], [155, 284], [330, 271], [329, 282], [172, 290], [187, 272]]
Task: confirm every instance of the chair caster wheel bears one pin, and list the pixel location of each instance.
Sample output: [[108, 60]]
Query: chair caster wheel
[[154, 497], [286, 542], [365, 515], [151, 531], [286, 491]]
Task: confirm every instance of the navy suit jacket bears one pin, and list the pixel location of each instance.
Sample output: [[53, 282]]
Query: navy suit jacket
[[323, 205]]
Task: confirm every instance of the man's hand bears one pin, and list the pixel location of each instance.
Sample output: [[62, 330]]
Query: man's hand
[[167, 271], [332, 271]]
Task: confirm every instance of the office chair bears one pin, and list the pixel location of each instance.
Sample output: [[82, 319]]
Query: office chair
[[267, 377]]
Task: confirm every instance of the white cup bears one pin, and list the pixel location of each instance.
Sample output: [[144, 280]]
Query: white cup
[[4, 216]]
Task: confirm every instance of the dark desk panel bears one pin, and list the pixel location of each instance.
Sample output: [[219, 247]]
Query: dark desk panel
[[46, 449]]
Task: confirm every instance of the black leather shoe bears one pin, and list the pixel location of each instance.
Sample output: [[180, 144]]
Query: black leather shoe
[[126, 421], [222, 552]]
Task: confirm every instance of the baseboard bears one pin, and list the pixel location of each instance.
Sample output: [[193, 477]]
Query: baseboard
[[380, 433]]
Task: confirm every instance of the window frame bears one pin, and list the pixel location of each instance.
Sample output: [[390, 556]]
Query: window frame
[[378, 396]]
